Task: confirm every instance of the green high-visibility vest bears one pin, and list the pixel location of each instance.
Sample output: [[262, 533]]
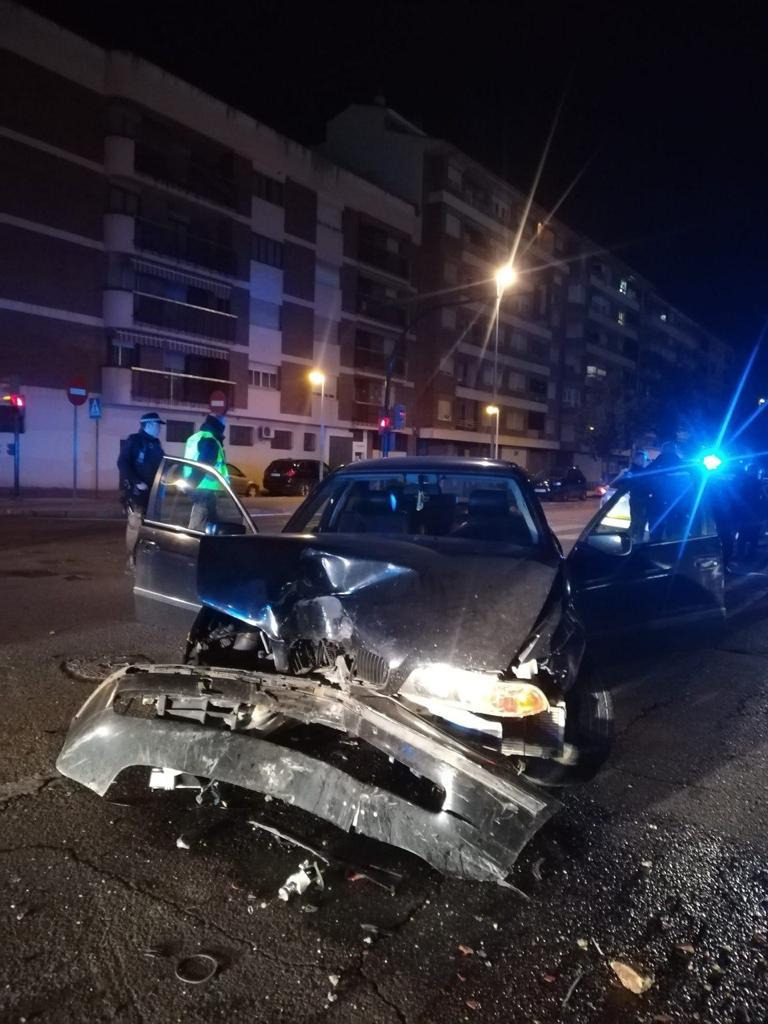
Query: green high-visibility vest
[[208, 483]]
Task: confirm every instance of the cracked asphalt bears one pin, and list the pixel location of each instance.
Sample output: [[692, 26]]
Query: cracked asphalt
[[660, 863]]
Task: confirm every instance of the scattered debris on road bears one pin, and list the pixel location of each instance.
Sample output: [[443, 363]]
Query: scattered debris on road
[[632, 979], [308, 874]]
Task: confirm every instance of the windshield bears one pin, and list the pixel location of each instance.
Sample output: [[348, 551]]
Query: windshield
[[456, 505]]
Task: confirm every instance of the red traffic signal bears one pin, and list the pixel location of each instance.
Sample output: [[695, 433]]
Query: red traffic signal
[[17, 401], [12, 410], [385, 423]]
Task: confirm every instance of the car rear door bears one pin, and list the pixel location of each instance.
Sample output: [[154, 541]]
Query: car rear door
[[650, 558], [188, 501]]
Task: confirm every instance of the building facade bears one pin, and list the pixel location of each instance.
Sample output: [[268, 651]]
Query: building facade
[[164, 246]]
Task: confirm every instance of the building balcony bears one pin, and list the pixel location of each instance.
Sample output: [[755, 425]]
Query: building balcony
[[382, 259], [379, 309], [124, 385], [188, 175], [157, 311], [167, 241], [377, 362], [365, 413]]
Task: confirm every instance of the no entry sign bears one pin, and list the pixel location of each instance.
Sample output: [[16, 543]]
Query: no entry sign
[[77, 391], [218, 402]]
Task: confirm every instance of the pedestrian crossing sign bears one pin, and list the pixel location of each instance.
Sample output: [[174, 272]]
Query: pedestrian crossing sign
[[94, 408]]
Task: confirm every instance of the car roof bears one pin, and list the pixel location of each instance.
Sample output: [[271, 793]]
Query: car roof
[[433, 463]]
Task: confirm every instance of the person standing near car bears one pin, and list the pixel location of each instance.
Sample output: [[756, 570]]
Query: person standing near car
[[207, 445], [138, 462]]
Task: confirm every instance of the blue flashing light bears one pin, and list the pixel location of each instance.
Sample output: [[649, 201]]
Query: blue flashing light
[[712, 461]]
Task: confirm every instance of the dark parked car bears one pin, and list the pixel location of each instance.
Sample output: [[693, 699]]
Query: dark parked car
[[562, 485], [420, 605], [292, 476]]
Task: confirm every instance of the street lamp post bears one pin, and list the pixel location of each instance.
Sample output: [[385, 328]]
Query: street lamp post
[[317, 378], [493, 410]]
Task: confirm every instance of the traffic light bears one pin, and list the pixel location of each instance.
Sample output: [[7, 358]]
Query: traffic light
[[385, 424], [12, 408]]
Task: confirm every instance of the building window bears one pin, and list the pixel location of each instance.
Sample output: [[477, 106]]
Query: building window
[[452, 226], [265, 314], [623, 286], [241, 436], [536, 420], [454, 175], [369, 391], [621, 318], [570, 397], [515, 381], [327, 274], [282, 440], [178, 430], [310, 442], [537, 386], [515, 419], [267, 379], [444, 411], [123, 201], [266, 250], [595, 373], [268, 189]]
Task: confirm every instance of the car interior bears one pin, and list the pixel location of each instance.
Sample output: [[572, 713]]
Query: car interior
[[426, 509]]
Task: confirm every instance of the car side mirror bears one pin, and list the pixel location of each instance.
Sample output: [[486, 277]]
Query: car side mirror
[[610, 543]]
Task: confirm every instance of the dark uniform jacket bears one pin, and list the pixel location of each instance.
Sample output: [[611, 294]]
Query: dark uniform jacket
[[140, 456]]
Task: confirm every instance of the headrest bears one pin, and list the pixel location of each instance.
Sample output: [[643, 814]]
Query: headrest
[[378, 503]]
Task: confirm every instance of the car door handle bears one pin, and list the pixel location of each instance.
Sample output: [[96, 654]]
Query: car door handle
[[707, 563]]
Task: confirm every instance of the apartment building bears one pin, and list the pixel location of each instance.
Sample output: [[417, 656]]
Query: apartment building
[[162, 246], [576, 318], [469, 224]]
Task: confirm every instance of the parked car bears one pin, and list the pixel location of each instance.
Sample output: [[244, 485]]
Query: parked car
[[240, 484], [421, 606], [292, 476], [562, 485]]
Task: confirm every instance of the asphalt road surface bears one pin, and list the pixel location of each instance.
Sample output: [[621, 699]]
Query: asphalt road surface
[[660, 863]]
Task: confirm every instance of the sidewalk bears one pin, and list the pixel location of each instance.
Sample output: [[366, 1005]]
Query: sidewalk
[[107, 505]]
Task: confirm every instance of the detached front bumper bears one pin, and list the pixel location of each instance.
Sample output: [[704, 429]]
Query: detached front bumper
[[487, 815]]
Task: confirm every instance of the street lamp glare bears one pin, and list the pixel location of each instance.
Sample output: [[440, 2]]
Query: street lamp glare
[[505, 276], [492, 410], [316, 377]]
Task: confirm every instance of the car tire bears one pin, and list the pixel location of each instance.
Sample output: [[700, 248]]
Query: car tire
[[589, 728]]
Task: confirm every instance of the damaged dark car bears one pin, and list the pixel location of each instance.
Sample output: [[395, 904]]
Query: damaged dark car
[[421, 606]]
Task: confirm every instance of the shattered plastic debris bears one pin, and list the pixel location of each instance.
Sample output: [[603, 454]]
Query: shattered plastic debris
[[536, 869], [465, 950], [298, 883], [182, 843], [473, 1004], [631, 979], [582, 943], [573, 986], [334, 979]]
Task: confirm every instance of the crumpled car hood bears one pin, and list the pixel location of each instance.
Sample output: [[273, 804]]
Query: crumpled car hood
[[402, 601]]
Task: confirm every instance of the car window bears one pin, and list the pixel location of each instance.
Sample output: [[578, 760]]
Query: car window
[[659, 508], [234, 471], [460, 506], [192, 498]]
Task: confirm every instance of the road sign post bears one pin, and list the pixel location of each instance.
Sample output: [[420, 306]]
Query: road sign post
[[218, 403], [77, 393], [94, 413]]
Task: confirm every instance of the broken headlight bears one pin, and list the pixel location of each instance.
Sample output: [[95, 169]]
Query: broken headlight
[[440, 687]]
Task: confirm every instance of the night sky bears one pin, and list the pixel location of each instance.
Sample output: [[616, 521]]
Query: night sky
[[668, 105]]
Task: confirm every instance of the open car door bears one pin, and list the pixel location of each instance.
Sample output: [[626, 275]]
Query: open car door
[[189, 500], [651, 557]]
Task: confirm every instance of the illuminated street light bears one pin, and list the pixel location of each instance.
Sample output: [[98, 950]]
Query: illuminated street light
[[505, 277], [317, 379], [761, 400], [493, 410], [712, 461]]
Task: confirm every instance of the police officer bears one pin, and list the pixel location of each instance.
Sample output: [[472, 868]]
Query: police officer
[[140, 457], [207, 445]]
